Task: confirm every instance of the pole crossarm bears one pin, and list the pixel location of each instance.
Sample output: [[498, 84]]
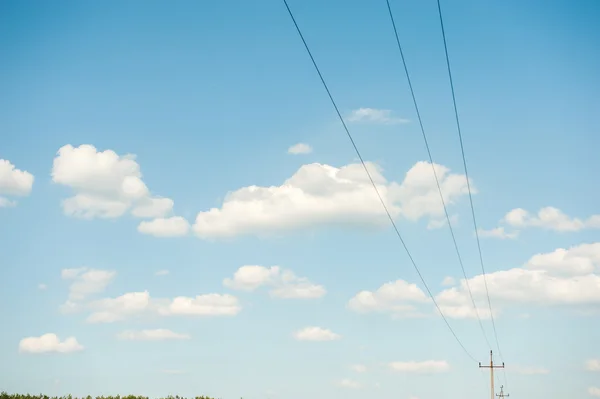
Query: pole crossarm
[[502, 394], [493, 366]]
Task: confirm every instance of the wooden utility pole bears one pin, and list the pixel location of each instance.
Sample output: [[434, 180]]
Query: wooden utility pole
[[492, 366], [501, 394]]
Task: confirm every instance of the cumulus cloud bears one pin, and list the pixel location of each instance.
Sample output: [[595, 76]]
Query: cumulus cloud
[[106, 185], [579, 260], [348, 383], [373, 115], [592, 365], [316, 334], [6, 203], [448, 281], [249, 278], [175, 226], [203, 305], [550, 218], [152, 207], [86, 281], [300, 148], [397, 297], [42, 286], [136, 304], [359, 368], [322, 195], [594, 391], [427, 366], [465, 310], [110, 310], [498, 232], [161, 273], [151, 335], [439, 223], [49, 343], [561, 277], [13, 182], [284, 283]]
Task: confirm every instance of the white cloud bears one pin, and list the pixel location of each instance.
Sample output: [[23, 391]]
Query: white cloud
[[550, 218], [580, 260], [397, 297], [106, 185], [49, 343], [152, 207], [300, 148], [13, 182], [72, 273], [175, 226], [592, 365], [427, 366], [448, 281], [316, 334], [136, 304], [249, 278], [383, 116], [359, 368], [594, 391], [322, 195], [151, 335], [530, 370], [42, 286], [284, 283], [71, 307], [498, 232], [6, 203], [110, 310], [161, 273], [561, 277], [86, 281], [203, 305], [348, 383], [439, 223], [466, 311]]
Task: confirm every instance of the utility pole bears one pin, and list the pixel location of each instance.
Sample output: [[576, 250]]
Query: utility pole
[[492, 367], [501, 394]]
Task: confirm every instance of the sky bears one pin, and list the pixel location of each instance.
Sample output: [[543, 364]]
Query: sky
[[181, 211]]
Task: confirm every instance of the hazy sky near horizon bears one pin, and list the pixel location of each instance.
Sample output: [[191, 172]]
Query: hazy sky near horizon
[[181, 211]]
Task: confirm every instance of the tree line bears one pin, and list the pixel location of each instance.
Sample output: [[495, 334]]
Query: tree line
[[5, 395]]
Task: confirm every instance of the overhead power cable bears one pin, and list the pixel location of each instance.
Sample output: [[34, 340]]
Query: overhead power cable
[[373, 182], [437, 181], [462, 149]]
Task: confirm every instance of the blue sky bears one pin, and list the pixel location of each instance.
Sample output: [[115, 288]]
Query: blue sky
[[209, 97]]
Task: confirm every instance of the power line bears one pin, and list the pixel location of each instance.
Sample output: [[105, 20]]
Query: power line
[[462, 149], [373, 182], [435, 173]]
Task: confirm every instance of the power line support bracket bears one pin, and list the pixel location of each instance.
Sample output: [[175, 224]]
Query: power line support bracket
[[502, 395], [492, 366]]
